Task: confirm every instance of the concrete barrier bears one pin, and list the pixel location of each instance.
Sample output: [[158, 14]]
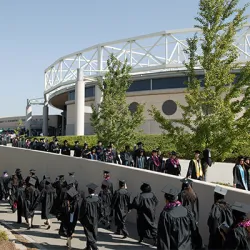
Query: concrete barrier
[[87, 171]]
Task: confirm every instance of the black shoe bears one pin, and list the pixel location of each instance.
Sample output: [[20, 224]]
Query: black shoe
[[108, 227], [28, 228], [140, 240], [155, 243], [125, 236], [117, 233], [48, 228]]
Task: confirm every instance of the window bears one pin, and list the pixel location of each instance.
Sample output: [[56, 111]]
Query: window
[[71, 96], [169, 107], [90, 91], [133, 107], [140, 85], [169, 83]]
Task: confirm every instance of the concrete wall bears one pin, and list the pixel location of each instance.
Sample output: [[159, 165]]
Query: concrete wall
[[91, 171]]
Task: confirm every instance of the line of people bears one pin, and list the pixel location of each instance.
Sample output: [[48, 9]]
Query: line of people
[[178, 224]]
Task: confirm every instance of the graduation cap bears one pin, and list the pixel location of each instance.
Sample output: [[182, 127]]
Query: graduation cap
[[139, 143], [18, 170], [56, 140], [186, 181], [48, 181], [154, 151], [92, 186], [76, 142], [145, 186], [61, 176], [220, 190], [46, 177], [122, 182], [71, 173], [241, 207], [170, 191], [72, 192], [65, 141], [32, 181], [106, 172], [197, 151], [33, 171], [173, 153]]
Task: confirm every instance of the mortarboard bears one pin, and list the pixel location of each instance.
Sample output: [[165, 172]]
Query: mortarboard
[[139, 143], [220, 190], [106, 172], [71, 173], [18, 170], [247, 158], [41, 139], [61, 176], [56, 140], [197, 151], [186, 181], [72, 192], [47, 181], [76, 142], [32, 181], [241, 207], [92, 186], [173, 153], [65, 141], [154, 151], [122, 182], [32, 170], [170, 190]]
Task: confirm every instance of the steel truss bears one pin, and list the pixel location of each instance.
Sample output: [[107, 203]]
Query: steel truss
[[162, 51], [36, 101]]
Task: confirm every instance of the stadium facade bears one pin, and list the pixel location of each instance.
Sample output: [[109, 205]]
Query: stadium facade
[[158, 74]]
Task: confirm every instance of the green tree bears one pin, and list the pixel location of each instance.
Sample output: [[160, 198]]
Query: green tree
[[112, 120], [19, 127], [212, 116]]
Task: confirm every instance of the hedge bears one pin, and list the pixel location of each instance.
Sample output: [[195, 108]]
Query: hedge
[[150, 142]]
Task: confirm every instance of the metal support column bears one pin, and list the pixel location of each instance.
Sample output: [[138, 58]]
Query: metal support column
[[80, 103], [45, 119]]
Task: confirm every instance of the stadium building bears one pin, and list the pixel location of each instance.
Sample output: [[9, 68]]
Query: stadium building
[[158, 74]]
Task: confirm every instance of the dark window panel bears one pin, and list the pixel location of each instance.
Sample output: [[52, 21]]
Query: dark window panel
[[89, 91], [169, 83], [140, 86]]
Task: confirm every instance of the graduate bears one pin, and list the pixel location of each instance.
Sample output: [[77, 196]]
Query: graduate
[[13, 185], [48, 195], [33, 175], [90, 213], [121, 204], [195, 170], [189, 198], [20, 197], [65, 150], [177, 228], [73, 179], [32, 199], [105, 196], [106, 176], [77, 150], [19, 176], [145, 204], [43, 182], [220, 212], [238, 234], [69, 214]]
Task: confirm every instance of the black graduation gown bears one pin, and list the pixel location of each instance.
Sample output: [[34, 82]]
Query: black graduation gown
[[237, 239], [192, 206], [21, 197], [220, 212], [172, 169], [77, 151], [4, 189], [90, 213], [34, 177], [110, 186], [74, 181], [145, 204], [48, 195], [32, 199], [192, 171], [121, 204], [106, 199], [65, 150], [69, 215], [177, 230]]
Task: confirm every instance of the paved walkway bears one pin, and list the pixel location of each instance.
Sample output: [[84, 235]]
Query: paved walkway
[[50, 240]]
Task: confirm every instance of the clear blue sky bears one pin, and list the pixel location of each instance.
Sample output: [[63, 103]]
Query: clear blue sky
[[33, 34]]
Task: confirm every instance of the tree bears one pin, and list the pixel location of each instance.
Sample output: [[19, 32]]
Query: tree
[[112, 120], [212, 114], [19, 127]]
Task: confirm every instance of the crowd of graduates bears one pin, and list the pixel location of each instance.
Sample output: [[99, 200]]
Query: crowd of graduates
[[177, 227]]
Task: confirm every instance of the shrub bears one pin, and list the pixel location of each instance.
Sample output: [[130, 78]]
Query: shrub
[[3, 236]]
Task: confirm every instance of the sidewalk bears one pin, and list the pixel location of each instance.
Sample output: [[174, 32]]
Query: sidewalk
[[50, 240]]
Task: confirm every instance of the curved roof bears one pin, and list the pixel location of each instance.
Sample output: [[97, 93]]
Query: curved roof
[[156, 52]]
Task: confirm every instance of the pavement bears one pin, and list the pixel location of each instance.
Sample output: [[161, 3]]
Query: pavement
[[50, 240]]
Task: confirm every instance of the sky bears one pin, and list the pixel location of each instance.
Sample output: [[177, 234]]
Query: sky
[[34, 34]]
